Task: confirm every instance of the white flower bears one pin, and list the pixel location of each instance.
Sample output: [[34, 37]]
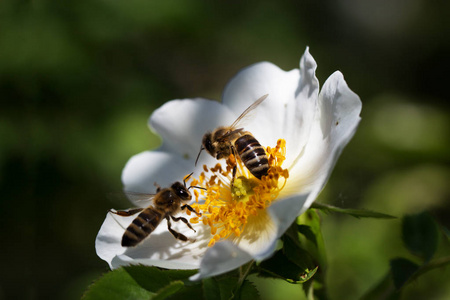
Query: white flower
[[316, 127]]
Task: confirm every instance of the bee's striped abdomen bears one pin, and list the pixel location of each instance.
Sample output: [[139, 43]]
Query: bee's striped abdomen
[[252, 155], [141, 227]]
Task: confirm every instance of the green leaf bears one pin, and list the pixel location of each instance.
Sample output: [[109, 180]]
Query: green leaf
[[383, 290], [420, 234], [357, 213], [182, 275], [248, 291], [297, 255], [150, 278], [402, 270], [308, 275], [313, 233], [308, 233], [211, 290], [280, 266], [168, 290], [435, 264], [402, 273], [139, 282], [224, 287], [302, 250], [446, 232], [193, 291], [118, 284]]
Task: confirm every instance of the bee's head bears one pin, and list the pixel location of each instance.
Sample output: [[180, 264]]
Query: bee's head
[[208, 143], [181, 191]]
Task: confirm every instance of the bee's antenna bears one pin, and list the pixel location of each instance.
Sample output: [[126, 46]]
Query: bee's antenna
[[197, 187], [201, 149], [186, 178]]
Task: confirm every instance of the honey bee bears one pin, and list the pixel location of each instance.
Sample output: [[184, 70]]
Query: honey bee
[[227, 140], [165, 204]]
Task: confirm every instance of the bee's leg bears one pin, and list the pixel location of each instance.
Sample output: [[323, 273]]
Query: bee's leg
[[176, 234], [184, 221], [234, 172], [126, 213], [235, 165], [191, 209]]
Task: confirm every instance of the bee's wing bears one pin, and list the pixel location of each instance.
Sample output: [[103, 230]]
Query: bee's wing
[[141, 199], [246, 114], [230, 133]]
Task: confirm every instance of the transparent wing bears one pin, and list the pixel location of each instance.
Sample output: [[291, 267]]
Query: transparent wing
[[247, 113], [230, 133], [141, 199]]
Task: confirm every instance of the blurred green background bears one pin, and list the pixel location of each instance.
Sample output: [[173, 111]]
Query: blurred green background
[[79, 79]]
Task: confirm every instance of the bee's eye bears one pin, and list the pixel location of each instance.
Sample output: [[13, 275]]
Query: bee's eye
[[182, 192], [207, 143]]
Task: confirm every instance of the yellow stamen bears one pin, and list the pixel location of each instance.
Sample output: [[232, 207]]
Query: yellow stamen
[[227, 206]]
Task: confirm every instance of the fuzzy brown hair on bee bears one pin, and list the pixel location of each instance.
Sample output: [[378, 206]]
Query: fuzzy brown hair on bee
[[232, 140], [166, 203]]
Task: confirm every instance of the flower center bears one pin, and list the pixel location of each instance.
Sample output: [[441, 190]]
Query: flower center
[[242, 188], [228, 204]]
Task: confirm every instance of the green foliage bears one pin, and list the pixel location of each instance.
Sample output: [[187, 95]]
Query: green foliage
[[224, 288], [280, 266], [302, 252], [383, 290], [357, 213], [311, 235], [420, 235], [118, 284], [300, 260], [402, 270], [168, 290], [137, 282], [142, 282]]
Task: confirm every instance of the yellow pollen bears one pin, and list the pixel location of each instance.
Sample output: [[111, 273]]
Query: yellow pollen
[[228, 205], [243, 187]]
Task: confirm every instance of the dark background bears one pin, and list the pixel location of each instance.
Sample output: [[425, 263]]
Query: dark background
[[79, 79]]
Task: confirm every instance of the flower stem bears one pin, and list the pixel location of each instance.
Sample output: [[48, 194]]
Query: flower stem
[[242, 276]]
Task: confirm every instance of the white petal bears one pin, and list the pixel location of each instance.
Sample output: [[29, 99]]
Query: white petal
[[107, 242], [160, 248], [340, 110], [255, 81], [309, 85], [223, 257], [145, 169], [260, 232], [283, 213], [332, 128], [301, 111], [182, 124]]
